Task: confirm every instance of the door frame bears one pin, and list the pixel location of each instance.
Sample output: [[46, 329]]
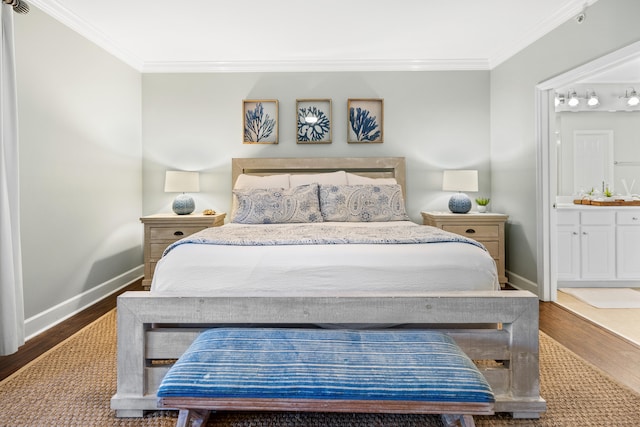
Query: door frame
[[546, 160]]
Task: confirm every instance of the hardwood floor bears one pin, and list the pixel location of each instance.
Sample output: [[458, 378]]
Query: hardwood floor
[[615, 356], [50, 338]]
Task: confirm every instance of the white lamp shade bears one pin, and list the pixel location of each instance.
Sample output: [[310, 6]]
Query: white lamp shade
[[182, 182], [460, 180]]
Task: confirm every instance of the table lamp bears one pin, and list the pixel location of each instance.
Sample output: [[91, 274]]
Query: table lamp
[[182, 182], [460, 180]]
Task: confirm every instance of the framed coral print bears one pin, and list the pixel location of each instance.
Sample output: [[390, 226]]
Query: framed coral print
[[260, 121], [313, 118], [366, 120]]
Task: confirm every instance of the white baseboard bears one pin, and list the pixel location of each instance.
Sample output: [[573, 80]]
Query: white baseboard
[[522, 283], [56, 314]]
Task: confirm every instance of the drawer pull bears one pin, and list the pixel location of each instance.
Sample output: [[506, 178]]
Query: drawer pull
[[635, 218], [178, 233], [470, 231]]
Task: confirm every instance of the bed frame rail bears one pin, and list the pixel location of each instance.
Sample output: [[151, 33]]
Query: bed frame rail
[[508, 356]]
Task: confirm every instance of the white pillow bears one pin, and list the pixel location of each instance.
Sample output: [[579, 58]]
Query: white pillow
[[353, 179], [329, 178], [269, 181]]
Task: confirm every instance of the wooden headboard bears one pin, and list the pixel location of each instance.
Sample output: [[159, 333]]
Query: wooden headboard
[[373, 167]]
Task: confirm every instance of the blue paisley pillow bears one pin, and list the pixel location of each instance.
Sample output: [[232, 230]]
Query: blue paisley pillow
[[277, 205], [362, 203]]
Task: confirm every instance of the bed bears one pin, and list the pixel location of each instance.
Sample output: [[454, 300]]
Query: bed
[[394, 280]]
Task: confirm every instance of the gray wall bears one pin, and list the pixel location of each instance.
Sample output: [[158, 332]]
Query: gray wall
[[194, 122], [80, 164], [610, 25]]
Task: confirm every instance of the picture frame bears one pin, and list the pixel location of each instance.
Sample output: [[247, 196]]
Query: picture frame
[[313, 121], [365, 118], [260, 121]]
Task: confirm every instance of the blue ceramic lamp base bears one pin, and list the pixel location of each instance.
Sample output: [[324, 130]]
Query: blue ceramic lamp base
[[459, 203], [183, 204]]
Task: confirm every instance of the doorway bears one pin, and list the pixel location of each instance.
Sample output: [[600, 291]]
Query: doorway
[[547, 160]]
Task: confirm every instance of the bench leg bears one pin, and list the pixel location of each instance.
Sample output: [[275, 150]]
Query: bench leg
[[193, 418], [458, 420]]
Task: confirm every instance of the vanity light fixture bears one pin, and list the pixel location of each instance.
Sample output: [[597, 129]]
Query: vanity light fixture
[[559, 99], [632, 98], [592, 99], [573, 101]]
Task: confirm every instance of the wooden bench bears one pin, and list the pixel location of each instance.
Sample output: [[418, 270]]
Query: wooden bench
[[325, 370]]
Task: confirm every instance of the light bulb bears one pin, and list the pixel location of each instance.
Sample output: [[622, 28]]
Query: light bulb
[[573, 100]]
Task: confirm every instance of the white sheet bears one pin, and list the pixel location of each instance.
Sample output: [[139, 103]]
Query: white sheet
[[324, 270]]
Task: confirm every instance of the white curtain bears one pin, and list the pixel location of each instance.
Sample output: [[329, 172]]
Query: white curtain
[[11, 302]]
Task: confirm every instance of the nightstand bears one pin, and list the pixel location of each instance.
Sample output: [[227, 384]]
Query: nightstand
[[486, 228], [160, 230]]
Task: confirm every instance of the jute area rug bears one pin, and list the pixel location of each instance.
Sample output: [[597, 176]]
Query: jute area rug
[[71, 385]]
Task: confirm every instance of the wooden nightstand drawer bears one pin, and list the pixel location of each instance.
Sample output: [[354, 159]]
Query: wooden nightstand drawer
[[166, 234], [157, 249], [474, 231], [493, 247]]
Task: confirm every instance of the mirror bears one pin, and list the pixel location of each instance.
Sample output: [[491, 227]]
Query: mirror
[[598, 146]]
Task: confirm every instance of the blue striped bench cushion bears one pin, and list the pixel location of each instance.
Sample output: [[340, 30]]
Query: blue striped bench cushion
[[401, 365]]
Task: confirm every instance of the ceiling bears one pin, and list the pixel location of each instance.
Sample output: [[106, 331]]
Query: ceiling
[[294, 35]]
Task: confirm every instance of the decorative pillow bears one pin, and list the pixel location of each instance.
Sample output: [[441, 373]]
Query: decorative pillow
[[353, 179], [335, 178], [362, 203], [277, 205], [256, 181]]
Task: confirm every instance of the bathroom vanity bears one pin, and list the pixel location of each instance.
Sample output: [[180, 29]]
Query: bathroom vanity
[[597, 245]]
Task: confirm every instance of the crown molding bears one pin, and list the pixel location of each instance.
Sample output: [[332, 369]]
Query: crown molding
[[86, 30], [313, 66]]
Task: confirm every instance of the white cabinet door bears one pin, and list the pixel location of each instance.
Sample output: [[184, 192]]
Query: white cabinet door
[[568, 252], [628, 245], [628, 251], [597, 247]]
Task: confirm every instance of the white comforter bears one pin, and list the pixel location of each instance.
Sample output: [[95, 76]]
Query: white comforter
[[324, 269]]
